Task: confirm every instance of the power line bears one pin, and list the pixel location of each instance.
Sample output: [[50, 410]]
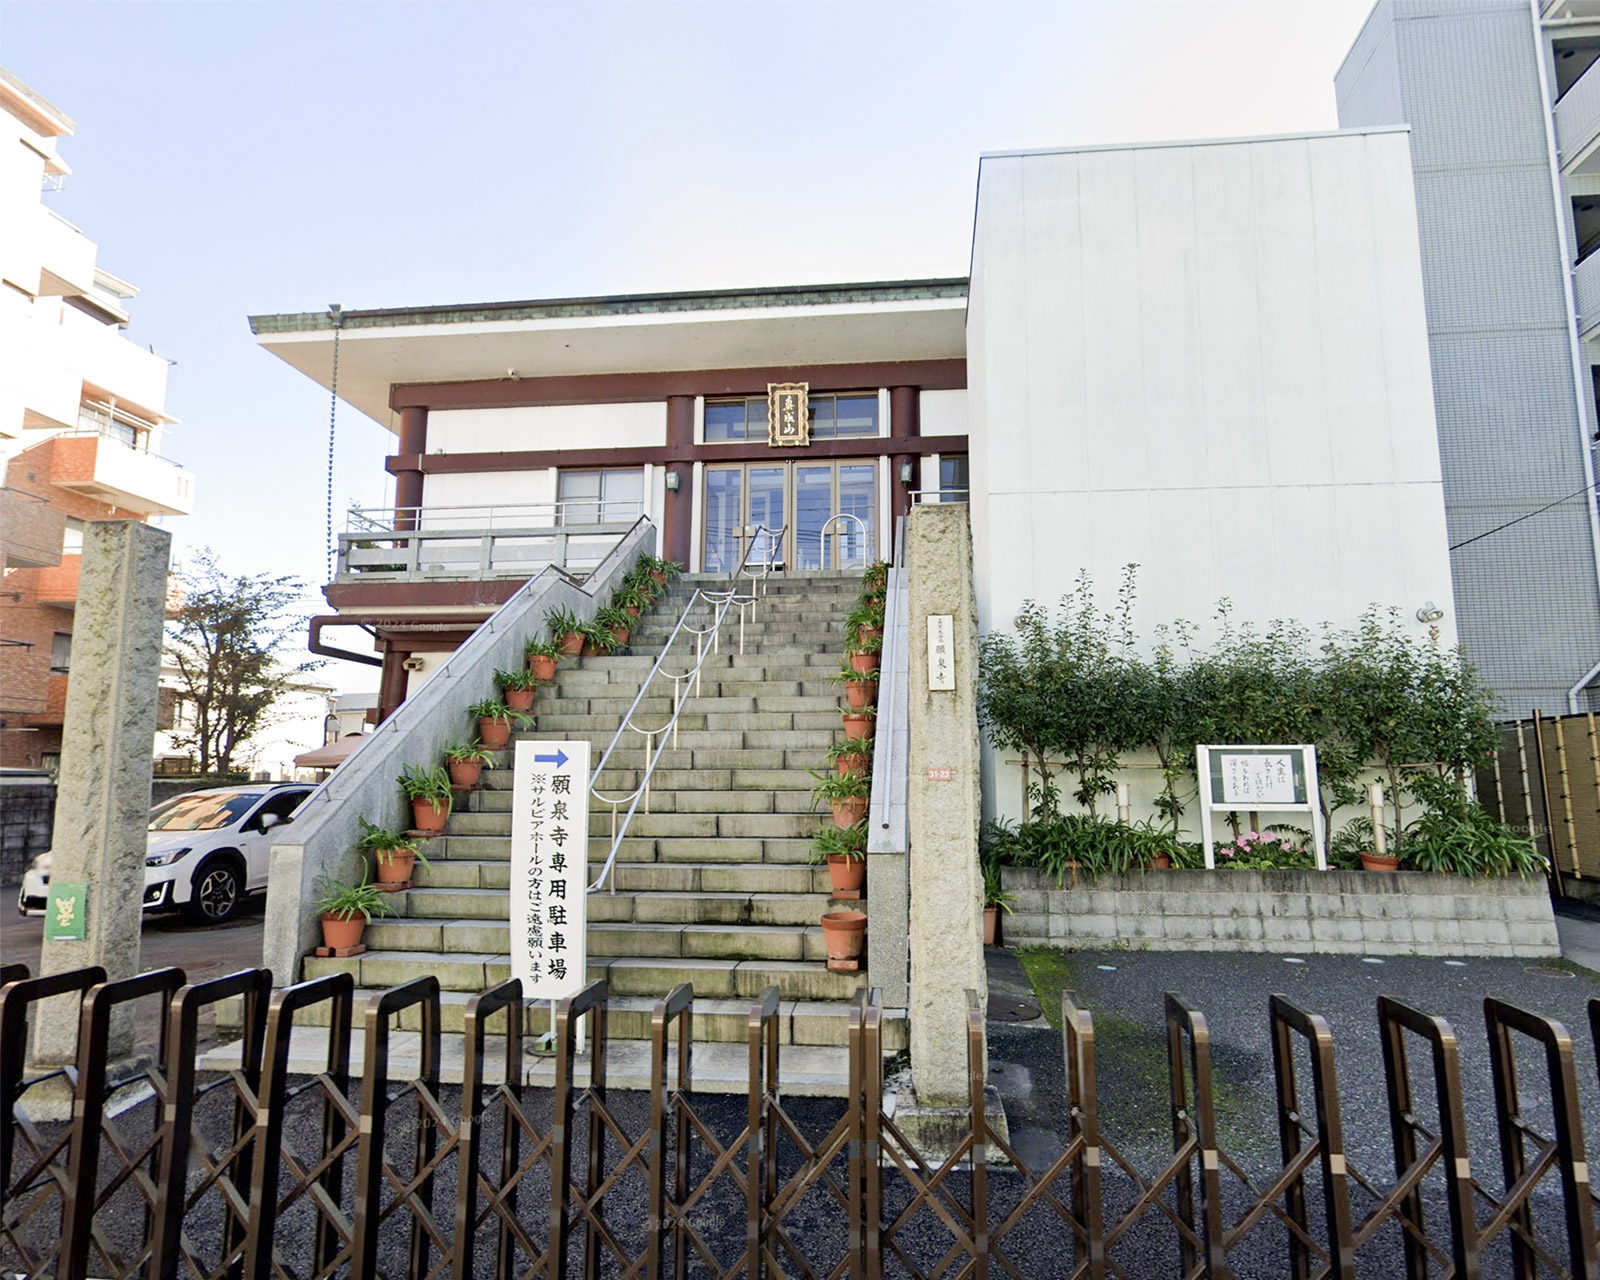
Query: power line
[[1528, 516]]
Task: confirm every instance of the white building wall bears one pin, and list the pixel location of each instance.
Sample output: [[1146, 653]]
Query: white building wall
[[942, 413], [1210, 360], [575, 426]]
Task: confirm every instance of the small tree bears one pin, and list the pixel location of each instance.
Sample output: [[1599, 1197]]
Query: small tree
[[223, 641]]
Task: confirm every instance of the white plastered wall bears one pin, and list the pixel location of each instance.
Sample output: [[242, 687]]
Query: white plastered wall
[[567, 426], [1210, 360]]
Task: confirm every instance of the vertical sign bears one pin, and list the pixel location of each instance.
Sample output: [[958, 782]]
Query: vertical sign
[[66, 916], [788, 419], [549, 868], [941, 653]]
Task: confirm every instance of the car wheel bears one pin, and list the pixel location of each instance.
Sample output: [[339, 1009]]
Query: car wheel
[[217, 892]]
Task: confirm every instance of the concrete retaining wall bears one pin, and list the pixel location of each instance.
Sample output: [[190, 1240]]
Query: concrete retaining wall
[[27, 814], [1327, 912]]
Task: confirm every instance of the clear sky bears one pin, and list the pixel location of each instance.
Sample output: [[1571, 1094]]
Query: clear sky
[[239, 158]]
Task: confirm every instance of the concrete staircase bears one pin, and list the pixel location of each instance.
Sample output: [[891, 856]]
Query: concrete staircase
[[713, 886]]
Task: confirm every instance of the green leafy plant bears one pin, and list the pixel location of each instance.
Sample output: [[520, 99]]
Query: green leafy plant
[[494, 709], [864, 613], [1063, 845], [425, 784], [834, 785], [346, 901], [840, 842], [995, 894], [384, 844], [875, 581], [1456, 834], [632, 595], [847, 673], [1264, 851], [850, 747], [468, 751], [522, 679], [562, 622], [541, 649]]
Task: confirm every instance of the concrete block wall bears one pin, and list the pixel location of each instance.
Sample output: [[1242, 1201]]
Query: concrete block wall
[[27, 814], [1324, 912]]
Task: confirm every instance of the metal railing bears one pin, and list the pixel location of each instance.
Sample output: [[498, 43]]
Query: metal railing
[[582, 511], [765, 543], [248, 1171], [481, 552], [887, 814]]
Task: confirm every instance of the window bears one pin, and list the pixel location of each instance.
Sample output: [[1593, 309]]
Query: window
[[953, 477], [600, 497], [60, 653], [72, 537], [853, 414]]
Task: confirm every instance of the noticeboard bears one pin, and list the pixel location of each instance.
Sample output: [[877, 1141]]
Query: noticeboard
[[1259, 778]]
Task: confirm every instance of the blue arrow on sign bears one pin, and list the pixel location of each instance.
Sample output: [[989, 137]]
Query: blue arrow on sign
[[560, 758]]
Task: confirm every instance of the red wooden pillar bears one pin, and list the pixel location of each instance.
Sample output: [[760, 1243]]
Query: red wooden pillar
[[677, 516], [903, 425], [413, 444]]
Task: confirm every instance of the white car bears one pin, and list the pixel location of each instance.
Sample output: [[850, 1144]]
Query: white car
[[206, 851]]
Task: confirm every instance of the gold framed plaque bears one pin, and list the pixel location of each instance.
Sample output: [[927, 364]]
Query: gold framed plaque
[[788, 421]]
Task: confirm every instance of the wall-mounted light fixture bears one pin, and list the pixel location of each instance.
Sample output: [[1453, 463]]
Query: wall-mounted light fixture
[[673, 482], [905, 473], [1429, 612]]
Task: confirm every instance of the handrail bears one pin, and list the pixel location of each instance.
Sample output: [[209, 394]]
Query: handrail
[[721, 601], [822, 539], [887, 810]]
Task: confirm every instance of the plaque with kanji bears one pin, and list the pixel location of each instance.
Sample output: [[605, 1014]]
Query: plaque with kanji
[[788, 418]]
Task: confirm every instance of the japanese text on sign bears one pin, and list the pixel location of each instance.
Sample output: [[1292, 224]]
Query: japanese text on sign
[[549, 868], [941, 652], [1258, 780]]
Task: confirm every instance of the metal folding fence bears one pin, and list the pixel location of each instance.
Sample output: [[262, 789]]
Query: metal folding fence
[[255, 1172]]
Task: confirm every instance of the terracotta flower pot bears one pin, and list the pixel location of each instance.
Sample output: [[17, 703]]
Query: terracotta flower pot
[[848, 812], [860, 694], [339, 934], [493, 732], [844, 932], [847, 874], [1373, 862], [396, 868], [865, 633], [429, 814], [520, 699], [859, 726], [856, 761], [465, 774], [863, 662], [570, 644], [991, 925], [543, 668], [1161, 862], [619, 637], [660, 578], [633, 611]]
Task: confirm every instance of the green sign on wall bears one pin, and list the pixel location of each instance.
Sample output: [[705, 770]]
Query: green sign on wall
[[66, 913]]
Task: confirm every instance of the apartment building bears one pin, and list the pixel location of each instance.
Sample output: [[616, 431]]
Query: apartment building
[[1502, 98], [82, 423]]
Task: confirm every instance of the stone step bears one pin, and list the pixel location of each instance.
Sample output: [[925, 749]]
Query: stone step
[[492, 848], [705, 826], [818, 1071], [800, 1022], [655, 939], [499, 801], [801, 910], [665, 780], [637, 877], [720, 978]]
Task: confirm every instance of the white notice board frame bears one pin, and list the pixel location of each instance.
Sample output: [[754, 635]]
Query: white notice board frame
[[550, 868], [1302, 771]]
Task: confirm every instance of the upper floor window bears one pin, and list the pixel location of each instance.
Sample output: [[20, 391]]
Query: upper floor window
[[953, 477], [851, 414], [600, 497], [60, 653]]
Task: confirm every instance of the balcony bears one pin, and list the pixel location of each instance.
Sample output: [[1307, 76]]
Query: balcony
[[454, 544], [1586, 293], [107, 469], [66, 256], [57, 586], [30, 530], [1578, 124]]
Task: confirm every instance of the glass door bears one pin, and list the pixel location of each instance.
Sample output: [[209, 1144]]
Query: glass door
[[767, 487], [813, 504], [800, 497], [724, 518]]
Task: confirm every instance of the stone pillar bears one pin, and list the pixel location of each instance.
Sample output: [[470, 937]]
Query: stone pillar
[[904, 424], [946, 886], [413, 444], [107, 744], [678, 515]]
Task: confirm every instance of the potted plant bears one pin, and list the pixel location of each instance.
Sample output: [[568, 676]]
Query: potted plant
[[394, 852], [844, 932], [996, 898], [663, 571], [615, 622], [864, 653], [853, 755], [494, 722], [1372, 861], [860, 687], [517, 688], [542, 655], [465, 760], [844, 849], [875, 581], [633, 599], [860, 724], [347, 909], [864, 623], [847, 794], [429, 793], [566, 631]]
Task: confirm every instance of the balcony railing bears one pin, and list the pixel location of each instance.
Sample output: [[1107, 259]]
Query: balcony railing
[[432, 544], [1586, 291], [1578, 121], [97, 461]]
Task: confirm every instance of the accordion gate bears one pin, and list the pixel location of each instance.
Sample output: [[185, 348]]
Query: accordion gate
[[252, 1173]]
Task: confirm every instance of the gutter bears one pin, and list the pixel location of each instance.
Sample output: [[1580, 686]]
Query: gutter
[[315, 644]]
